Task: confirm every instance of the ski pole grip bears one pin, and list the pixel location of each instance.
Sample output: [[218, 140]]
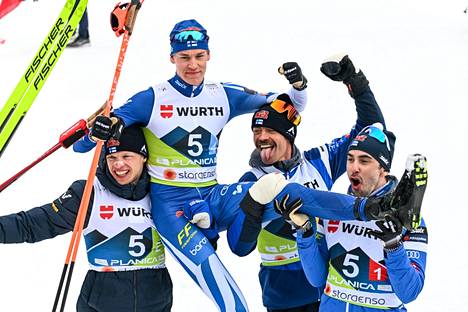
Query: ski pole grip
[[100, 111], [281, 70], [74, 133], [131, 15]]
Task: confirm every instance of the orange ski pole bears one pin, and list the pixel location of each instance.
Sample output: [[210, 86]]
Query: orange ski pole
[[81, 216]]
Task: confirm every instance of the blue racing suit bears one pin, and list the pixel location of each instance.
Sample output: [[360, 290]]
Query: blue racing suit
[[357, 274]]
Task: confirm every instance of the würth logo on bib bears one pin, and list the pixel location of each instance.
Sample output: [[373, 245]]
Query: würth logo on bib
[[166, 111], [106, 212], [202, 111], [333, 226]]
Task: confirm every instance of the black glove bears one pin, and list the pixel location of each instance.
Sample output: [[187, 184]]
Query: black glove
[[253, 219], [289, 212], [292, 71], [375, 208], [252, 208], [105, 128], [340, 68], [390, 232]]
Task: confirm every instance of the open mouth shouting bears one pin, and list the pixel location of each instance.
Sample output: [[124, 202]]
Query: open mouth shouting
[[356, 183]]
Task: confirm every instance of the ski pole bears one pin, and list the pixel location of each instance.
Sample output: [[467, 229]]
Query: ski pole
[[78, 228], [66, 139]]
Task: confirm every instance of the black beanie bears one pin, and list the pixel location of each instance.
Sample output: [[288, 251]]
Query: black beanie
[[370, 139], [267, 116], [132, 139]]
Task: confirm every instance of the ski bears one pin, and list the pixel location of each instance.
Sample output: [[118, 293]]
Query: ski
[[39, 70], [409, 193]]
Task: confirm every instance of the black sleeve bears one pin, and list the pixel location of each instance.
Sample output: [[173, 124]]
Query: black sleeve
[[368, 111], [46, 221]]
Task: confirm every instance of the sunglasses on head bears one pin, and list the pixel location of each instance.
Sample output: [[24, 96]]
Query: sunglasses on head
[[281, 107], [189, 35], [377, 134]]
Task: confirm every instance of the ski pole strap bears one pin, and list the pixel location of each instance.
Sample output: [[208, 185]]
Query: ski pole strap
[[74, 133], [131, 15]]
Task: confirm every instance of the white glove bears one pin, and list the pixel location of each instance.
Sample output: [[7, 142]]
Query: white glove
[[202, 220], [267, 188]]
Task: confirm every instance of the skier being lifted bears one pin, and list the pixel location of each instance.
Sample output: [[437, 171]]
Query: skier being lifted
[[184, 117]]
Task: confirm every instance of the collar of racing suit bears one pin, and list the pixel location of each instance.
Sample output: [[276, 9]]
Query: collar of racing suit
[[184, 88], [132, 191], [283, 165]]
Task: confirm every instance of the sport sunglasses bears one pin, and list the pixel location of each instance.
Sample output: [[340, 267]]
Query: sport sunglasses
[[185, 35], [377, 134], [281, 107]]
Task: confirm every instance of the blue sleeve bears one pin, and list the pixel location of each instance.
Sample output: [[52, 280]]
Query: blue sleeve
[[248, 177], [243, 100], [335, 157], [368, 112], [43, 222], [314, 261], [137, 110], [322, 204], [243, 232], [83, 145], [406, 266]]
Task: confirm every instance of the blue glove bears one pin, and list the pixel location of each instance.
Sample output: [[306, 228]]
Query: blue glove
[[198, 212]]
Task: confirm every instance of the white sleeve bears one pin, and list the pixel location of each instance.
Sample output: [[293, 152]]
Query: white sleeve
[[299, 98]]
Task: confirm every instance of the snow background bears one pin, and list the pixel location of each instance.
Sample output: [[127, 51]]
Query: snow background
[[414, 54]]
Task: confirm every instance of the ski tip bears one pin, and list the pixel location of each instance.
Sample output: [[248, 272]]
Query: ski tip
[[416, 161], [416, 169]]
